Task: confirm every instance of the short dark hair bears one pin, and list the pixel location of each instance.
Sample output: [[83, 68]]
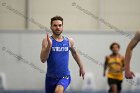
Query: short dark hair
[[114, 43], [56, 18]]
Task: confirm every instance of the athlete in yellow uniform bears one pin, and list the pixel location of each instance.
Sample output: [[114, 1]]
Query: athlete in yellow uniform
[[114, 63]]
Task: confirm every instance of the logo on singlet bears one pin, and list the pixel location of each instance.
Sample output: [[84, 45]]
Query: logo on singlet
[[60, 48]]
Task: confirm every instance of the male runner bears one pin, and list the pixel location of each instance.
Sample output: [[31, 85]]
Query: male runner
[[128, 73], [115, 65], [55, 51]]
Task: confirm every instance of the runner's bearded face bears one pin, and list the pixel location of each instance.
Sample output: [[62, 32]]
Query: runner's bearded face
[[57, 27]]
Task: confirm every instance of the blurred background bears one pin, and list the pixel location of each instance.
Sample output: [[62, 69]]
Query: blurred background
[[93, 24]]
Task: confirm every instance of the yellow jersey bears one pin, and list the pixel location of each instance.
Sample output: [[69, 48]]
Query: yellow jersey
[[115, 67]]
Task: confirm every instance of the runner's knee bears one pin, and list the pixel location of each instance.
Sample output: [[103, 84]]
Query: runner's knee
[[59, 89]]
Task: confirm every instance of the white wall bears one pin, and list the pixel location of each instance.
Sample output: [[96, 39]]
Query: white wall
[[121, 13], [124, 14], [22, 75], [9, 18]]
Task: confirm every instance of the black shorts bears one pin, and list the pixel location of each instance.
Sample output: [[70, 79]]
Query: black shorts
[[116, 82]]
